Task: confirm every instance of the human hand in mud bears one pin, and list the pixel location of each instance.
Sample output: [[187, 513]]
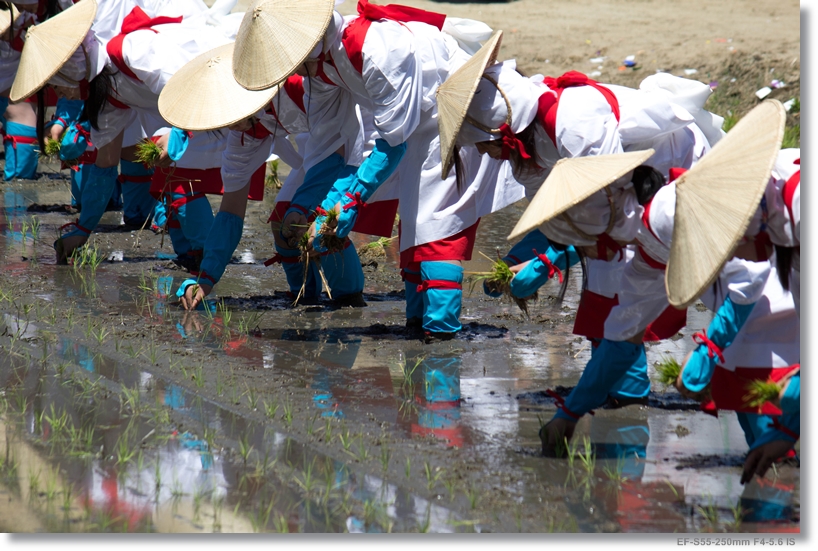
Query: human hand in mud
[[760, 459], [164, 160], [697, 373], [195, 294], [293, 226], [191, 322]]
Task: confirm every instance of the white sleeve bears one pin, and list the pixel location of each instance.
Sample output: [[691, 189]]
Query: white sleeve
[[111, 122], [393, 79], [283, 147], [585, 124], [241, 158]]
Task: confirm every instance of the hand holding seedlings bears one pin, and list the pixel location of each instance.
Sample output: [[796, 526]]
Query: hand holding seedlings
[[700, 396], [154, 154], [194, 295]]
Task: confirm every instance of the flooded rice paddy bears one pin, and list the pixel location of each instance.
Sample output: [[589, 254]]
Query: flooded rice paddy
[[120, 412]]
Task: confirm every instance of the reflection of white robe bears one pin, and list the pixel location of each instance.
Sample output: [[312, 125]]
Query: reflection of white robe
[[403, 64]]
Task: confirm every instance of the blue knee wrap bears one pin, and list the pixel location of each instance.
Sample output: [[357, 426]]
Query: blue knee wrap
[[754, 426], [77, 178], [97, 186], [21, 158], [441, 307], [635, 383], [441, 378], [343, 271], [160, 215], [414, 300], [138, 204], [791, 400], [608, 364], [195, 218], [294, 271]]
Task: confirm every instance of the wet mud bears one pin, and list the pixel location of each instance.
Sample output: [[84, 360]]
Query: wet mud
[[121, 412]]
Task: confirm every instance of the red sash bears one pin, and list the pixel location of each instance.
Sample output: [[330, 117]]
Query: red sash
[[202, 180], [594, 309], [548, 102], [355, 33], [137, 20], [788, 193], [456, 247], [294, 88], [369, 221], [728, 388]]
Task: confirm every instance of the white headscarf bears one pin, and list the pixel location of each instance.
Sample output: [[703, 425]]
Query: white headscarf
[[488, 107]]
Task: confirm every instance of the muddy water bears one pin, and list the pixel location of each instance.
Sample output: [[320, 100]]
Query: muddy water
[[120, 412]]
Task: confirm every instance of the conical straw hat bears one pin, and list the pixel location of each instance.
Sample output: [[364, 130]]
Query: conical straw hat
[[6, 18], [572, 181], [203, 95], [49, 45], [716, 199], [275, 37], [455, 95]]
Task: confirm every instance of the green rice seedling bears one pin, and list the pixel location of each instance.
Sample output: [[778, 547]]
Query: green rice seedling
[[329, 240], [198, 376], [792, 137], [760, 392], [270, 409], [385, 456], [24, 231], [288, 414], [450, 484], [100, 334], [52, 148], [432, 475], [346, 439], [272, 179], [328, 430], [305, 246], [588, 458], [669, 370], [148, 152], [375, 249], [311, 425], [363, 451], [245, 448], [408, 469], [225, 313], [307, 482], [614, 473], [51, 485], [710, 512], [35, 228], [252, 398], [34, 484], [738, 517], [66, 498], [281, 525], [426, 522], [498, 280]]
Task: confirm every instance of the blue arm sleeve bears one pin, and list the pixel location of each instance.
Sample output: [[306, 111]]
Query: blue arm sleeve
[[318, 181], [791, 400], [67, 112], [221, 243], [535, 274], [728, 321], [177, 143], [373, 172], [74, 141], [792, 422]]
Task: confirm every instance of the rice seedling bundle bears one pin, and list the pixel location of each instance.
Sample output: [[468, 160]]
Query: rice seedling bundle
[[760, 392], [498, 280], [669, 370], [147, 153]]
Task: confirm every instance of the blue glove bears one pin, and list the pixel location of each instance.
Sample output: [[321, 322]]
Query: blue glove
[[177, 143], [726, 324], [373, 172], [75, 141], [537, 272]]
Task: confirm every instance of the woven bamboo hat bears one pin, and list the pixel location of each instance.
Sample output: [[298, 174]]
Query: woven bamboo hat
[[7, 16], [572, 181], [275, 37], [455, 95], [203, 95], [716, 199], [49, 45]]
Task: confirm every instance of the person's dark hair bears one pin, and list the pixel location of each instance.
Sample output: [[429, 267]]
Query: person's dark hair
[[99, 88], [40, 128], [51, 8], [646, 182], [783, 264], [527, 137], [459, 171]]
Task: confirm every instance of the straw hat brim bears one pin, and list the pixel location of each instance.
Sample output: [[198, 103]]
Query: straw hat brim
[[5, 22], [203, 95], [455, 95], [571, 181], [49, 45], [716, 200], [275, 37]]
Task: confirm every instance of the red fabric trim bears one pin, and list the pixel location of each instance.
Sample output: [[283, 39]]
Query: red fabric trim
[[788, 193], [762, 245], [605, 243], [294, 86], [411, 277], [116, 103], [728, 388], [713, 350], [592, 312], [272, 111], [202, 180], [776, 424], [456, 247], [561, 404], [76, 224], [511, 143], [319, 70], [257, 131], [549, 101], [669, 322], [439, 284], [282, 259], [650, 261], [354, 35], [137, 20], [377, 218], [675, 172], [552, 270], [26, 140], [87, 158]]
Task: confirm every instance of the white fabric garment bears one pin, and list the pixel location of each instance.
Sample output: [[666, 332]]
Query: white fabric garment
[[403, 64], [771, 335], [9, 57]]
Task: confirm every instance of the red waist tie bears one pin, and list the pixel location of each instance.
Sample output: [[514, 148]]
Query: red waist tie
[[19, 139], [137, 20]]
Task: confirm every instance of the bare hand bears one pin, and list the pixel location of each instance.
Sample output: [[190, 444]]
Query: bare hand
[[293, 227], [195, 294], [760, 459], [701, 396], [164, 160], [517, 267], [191, 322]]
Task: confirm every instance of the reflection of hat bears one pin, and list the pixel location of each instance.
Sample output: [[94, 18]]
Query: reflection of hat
[[573, 180], [49, 45], [275, 37], [716, 199], [455, 95], [7, 17], [203, 95], [503, 88]]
